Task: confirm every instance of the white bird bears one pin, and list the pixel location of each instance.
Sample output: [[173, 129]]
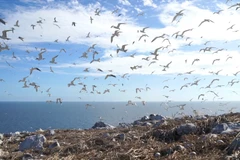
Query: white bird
[[178, 14], [32, 69], [16, 24], [51, 70], [4, 35], [118, 25], [53, 60]]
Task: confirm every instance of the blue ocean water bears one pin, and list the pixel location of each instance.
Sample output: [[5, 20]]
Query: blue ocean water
[[30, 116]]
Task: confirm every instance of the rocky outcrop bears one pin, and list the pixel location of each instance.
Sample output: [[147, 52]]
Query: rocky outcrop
[[34, 142]]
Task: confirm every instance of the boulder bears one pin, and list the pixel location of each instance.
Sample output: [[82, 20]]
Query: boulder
[[54, 144], [156, 117], [219, 128], [234, 146], [33, 142], [100, 124], [187, 128]]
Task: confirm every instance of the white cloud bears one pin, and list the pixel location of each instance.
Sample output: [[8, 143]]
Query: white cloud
[[149, 3], [124, 2]]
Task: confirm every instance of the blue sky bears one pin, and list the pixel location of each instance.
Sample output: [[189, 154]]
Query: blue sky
[[157, 15]]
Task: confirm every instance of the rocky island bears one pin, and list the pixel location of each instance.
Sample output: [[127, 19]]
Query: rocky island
[[151, 137]]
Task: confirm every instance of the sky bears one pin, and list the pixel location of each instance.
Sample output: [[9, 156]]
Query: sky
[[168, 68]]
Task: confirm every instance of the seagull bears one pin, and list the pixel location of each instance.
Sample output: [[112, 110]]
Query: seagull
[[32, 69], [21, 38], [16, 24], [68, 38], [116, 33], [91, 19], [235, 74], [97, 11], [88, 35], [215, 61], [235, 5], [23, 80], [51, 69], [9, 64], [123, 48], [195, 61], [143, 30], [4, 35], [205, 20], [177, 14], [33, 26], [55, 20], [59, 100], [53, 60], [40, 55], [231, 27], [200, 95], [117, 27], [2, 21], [217, 12], [25, 85], [110, 75], [144, 35]]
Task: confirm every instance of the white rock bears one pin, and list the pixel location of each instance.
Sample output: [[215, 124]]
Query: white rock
[[33, 142], [187, 128], [100, 124]]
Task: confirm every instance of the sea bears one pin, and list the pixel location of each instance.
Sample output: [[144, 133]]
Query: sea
[[31, 116]]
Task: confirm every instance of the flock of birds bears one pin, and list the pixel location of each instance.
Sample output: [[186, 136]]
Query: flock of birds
[[152, 58]]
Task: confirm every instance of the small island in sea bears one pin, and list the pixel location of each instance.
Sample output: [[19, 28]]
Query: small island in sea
[[151, 137]]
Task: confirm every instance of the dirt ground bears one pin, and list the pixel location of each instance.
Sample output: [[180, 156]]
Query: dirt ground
[[136, 142]]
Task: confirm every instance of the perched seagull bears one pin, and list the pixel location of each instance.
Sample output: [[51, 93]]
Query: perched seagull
[[205, 20], [53, 60], [32, 69], [178, 14], [117, 27]]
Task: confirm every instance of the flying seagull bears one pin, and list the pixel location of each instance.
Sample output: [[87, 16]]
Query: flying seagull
[[2, 21], [178, 14], [205, 20], [117, 27], [32, 69], [110, 75]]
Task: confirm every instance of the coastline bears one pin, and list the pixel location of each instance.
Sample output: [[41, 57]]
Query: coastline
[[151, 137]]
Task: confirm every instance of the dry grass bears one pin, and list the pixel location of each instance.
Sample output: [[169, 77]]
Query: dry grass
[[141, 142]]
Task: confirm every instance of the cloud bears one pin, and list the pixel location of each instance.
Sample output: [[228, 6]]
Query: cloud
[[124, 2], [101, 31], [149, 3]]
